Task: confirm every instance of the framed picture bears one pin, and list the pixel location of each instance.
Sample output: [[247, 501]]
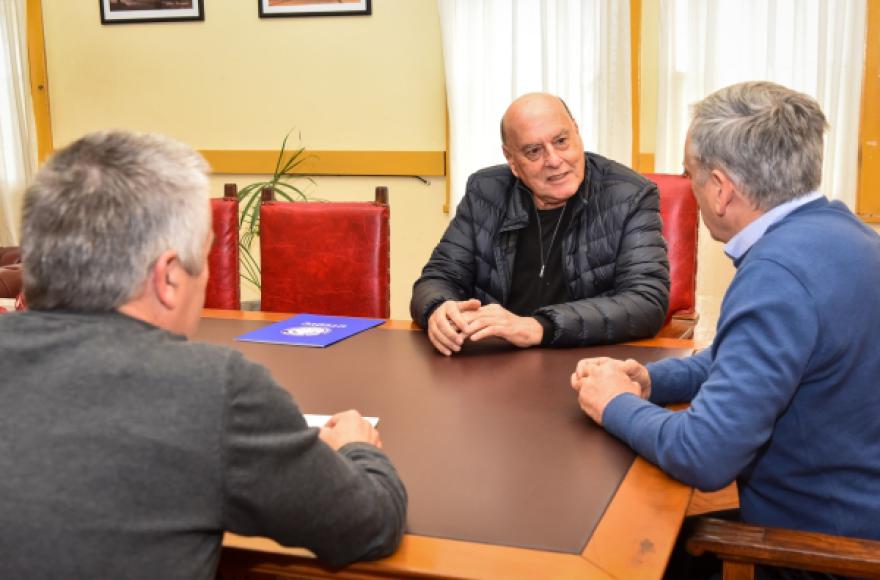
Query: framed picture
[[125, 11], [273, 8]]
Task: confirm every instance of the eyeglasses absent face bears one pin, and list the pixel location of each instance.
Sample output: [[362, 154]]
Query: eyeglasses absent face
[[544, 149]]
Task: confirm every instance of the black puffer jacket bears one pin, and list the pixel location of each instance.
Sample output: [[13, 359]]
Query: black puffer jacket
[[614, 256]]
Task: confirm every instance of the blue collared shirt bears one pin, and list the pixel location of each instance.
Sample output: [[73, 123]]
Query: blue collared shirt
[[739, 244]]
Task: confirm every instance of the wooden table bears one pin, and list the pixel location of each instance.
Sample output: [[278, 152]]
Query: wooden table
[[632, 540]]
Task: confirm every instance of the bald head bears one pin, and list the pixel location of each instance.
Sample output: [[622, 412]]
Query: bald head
[[531, 101], [543, 148]]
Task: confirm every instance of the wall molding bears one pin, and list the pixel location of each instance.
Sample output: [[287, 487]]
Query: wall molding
[[868, 191], [403, 163], [38, 79]]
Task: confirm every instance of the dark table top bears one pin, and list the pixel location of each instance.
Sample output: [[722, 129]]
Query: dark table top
[[490, 443]]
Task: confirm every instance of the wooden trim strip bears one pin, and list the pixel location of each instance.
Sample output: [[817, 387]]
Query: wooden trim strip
[[276, 316], [39, 81], [427, 163], [635, 39], [410, 325], [868, 191], [418, 557], [447, 196]]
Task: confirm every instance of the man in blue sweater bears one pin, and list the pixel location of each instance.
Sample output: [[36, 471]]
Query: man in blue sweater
[[786, 399]]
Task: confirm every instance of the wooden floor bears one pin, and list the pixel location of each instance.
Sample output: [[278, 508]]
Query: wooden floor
[[723, 499]]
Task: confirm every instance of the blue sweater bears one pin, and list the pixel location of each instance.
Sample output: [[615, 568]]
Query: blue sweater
[[787, 399]]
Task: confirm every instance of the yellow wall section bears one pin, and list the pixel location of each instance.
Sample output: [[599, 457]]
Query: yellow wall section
[[649, 59], [235, 81]]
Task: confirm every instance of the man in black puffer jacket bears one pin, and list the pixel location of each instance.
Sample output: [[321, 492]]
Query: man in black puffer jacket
[[556, 248]]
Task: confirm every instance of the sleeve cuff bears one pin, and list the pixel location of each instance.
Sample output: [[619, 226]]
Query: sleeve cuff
[[547, 337], [619, 412]]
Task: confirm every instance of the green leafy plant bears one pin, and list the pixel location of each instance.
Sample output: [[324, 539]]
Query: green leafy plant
[[249, 200]]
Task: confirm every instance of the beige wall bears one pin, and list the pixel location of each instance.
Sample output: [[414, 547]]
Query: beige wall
[[236, 81]]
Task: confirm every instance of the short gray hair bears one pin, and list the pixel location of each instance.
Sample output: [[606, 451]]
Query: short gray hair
[[100, 213], [766, 137]]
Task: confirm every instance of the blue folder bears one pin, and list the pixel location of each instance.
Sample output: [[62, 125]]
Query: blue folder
[[310, 330]]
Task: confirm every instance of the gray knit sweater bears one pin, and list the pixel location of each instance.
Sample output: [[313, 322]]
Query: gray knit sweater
[[126, 451]]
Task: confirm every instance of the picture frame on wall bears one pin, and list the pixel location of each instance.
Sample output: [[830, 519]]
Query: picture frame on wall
[[287, 8], [133, 11]]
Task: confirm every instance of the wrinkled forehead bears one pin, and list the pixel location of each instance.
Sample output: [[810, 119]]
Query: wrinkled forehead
[[538, 123]]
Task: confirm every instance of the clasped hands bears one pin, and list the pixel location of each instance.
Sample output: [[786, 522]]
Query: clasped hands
[[455, 321], [601, 379]]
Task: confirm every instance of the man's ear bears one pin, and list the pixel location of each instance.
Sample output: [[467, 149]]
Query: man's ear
[[509, 156], [723, 191], [165, 279]]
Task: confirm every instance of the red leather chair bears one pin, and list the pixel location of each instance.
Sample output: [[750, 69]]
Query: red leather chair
[[680, 215], [9, 256], [224, 289], [10, 272], [326, 257]]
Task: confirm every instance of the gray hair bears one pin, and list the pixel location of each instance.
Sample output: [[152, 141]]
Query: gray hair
[[766, 137], [100, 213]]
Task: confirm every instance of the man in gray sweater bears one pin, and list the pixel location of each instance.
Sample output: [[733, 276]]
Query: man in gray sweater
[[125, 450]]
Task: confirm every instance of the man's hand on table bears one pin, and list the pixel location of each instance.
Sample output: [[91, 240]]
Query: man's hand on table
[[599, 380], [349, 427], [447, 327], [455, 321], [495, 320]]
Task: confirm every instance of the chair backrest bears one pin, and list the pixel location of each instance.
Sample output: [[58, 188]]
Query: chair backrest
[[326, 257], [680, 215], [10, 280], [10, 255], [224, 289], [10, 272]]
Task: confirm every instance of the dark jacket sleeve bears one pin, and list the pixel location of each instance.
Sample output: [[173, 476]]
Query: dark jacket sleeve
[[449, 273], [282, 481], [636, 307]]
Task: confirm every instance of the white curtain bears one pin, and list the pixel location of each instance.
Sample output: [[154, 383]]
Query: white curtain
[[18, 151], [813, 46], [496, 50]]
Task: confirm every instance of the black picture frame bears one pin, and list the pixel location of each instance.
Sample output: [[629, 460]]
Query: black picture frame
[[297, 8], [137, 11]]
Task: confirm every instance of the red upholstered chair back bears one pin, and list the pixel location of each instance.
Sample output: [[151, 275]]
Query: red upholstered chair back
[[10, 255], [326, 257], [10, 272], [679, 211], [224, 290], [10, 280]]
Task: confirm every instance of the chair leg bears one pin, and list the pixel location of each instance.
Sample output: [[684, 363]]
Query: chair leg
[[738, 571]]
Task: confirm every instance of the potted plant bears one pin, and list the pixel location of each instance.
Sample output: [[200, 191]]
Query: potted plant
[[249, 200]]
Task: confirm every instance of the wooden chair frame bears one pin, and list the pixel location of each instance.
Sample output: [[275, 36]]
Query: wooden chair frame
[[742, 546]]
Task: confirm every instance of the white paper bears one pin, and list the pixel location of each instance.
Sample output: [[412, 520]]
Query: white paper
[[313, 420]]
